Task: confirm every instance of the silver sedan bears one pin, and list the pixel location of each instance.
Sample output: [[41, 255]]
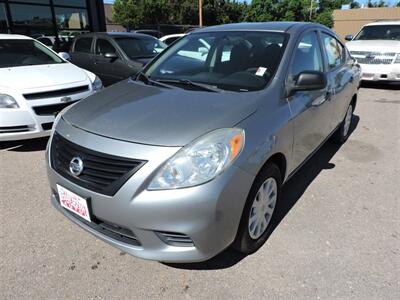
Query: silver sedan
[[188, 157]]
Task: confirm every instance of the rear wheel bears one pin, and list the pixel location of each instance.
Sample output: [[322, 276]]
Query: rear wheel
[[343, 132], [258, 214]]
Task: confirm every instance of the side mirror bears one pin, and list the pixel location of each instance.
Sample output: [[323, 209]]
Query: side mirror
[[111, 56], [308, 81], [348, 37], [64, 55]]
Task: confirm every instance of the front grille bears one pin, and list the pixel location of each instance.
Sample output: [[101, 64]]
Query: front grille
[[374, 58], [49, 110], [102, 173], [175, 239], [374, 61], [373, 53], [57, 93], [47, 126], [13, 129]]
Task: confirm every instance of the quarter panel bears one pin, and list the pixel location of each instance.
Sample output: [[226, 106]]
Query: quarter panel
[[268, 131]]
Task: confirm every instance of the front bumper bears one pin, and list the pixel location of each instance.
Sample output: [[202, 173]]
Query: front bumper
[[390, 72], [33, 118], [208, 214], [19, 124]]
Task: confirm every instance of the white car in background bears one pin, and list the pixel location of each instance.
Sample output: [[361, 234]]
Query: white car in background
[[377, 49], [35, 85]]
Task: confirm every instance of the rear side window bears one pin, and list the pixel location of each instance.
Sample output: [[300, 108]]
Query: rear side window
[[83, 45], [308, 55], [104, 46], [335, 53]]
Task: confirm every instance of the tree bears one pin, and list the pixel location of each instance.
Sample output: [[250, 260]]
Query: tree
[[381, 3], [127, 13], [134, 13], [325, 18]]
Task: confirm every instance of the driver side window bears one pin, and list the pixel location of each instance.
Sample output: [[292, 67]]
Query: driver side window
[[104, 46], [308, 55]]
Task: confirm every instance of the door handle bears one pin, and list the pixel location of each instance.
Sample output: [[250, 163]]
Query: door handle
[[318, 101]]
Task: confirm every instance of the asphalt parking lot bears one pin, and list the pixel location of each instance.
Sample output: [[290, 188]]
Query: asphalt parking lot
[[338, 238]]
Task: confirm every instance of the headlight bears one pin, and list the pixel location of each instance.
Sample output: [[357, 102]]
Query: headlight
[[397, 61], [97, 84], [6, 101], [200, 161]]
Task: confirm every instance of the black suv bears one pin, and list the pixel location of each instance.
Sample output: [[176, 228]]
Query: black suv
[[114, 56]]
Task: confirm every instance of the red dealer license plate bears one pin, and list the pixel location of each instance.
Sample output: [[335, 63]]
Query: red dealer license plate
[[73, 202]]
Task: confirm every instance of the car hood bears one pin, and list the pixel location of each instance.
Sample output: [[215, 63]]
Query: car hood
[[374, 45], [135, 112], [41, 76]]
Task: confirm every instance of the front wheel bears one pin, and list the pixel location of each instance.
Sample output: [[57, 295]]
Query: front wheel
[[343, 132], [258, 213]]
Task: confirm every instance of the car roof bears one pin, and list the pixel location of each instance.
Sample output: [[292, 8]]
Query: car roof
[[388, 22], [5, 36], [116, 34], [261, 26]]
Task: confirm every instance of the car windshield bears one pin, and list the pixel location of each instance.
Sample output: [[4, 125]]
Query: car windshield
[[18, 53], [140, 47], [238, 61], [379, 32]]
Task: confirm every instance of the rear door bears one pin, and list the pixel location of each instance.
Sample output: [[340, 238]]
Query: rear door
[[109, 70], [312, 110], [341, 75], [82, 53]]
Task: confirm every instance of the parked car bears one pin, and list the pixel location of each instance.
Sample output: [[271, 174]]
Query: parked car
[[114, 56], [177, 164], [377, 49], [35, 85], [169, 39], [151, 32], [62, 44]]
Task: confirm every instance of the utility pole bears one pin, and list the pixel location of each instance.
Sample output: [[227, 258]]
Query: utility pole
[[311, 9], [201, 13]]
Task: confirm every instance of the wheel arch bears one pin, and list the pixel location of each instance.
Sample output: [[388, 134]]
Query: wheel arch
[[354, 101], [279, 160]]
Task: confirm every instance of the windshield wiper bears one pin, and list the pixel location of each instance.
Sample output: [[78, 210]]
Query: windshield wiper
[[202, 86], [144, 78]]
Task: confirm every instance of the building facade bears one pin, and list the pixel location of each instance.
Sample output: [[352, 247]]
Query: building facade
[[51, 17], [350, 21]]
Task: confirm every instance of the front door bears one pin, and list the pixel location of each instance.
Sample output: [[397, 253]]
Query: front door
[[311, 110], [341, 76], [109, 70], [82, 54]]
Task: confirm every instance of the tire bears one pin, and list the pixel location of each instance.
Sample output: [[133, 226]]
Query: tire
[[342, 133], [248, 240]]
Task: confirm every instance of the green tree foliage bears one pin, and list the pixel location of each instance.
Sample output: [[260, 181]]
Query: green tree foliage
[[127, 13], [325, 18], [295, 10], [135, 13], [379, 3]]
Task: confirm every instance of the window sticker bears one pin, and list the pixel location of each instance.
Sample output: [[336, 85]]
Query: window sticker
[[261, 71]]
